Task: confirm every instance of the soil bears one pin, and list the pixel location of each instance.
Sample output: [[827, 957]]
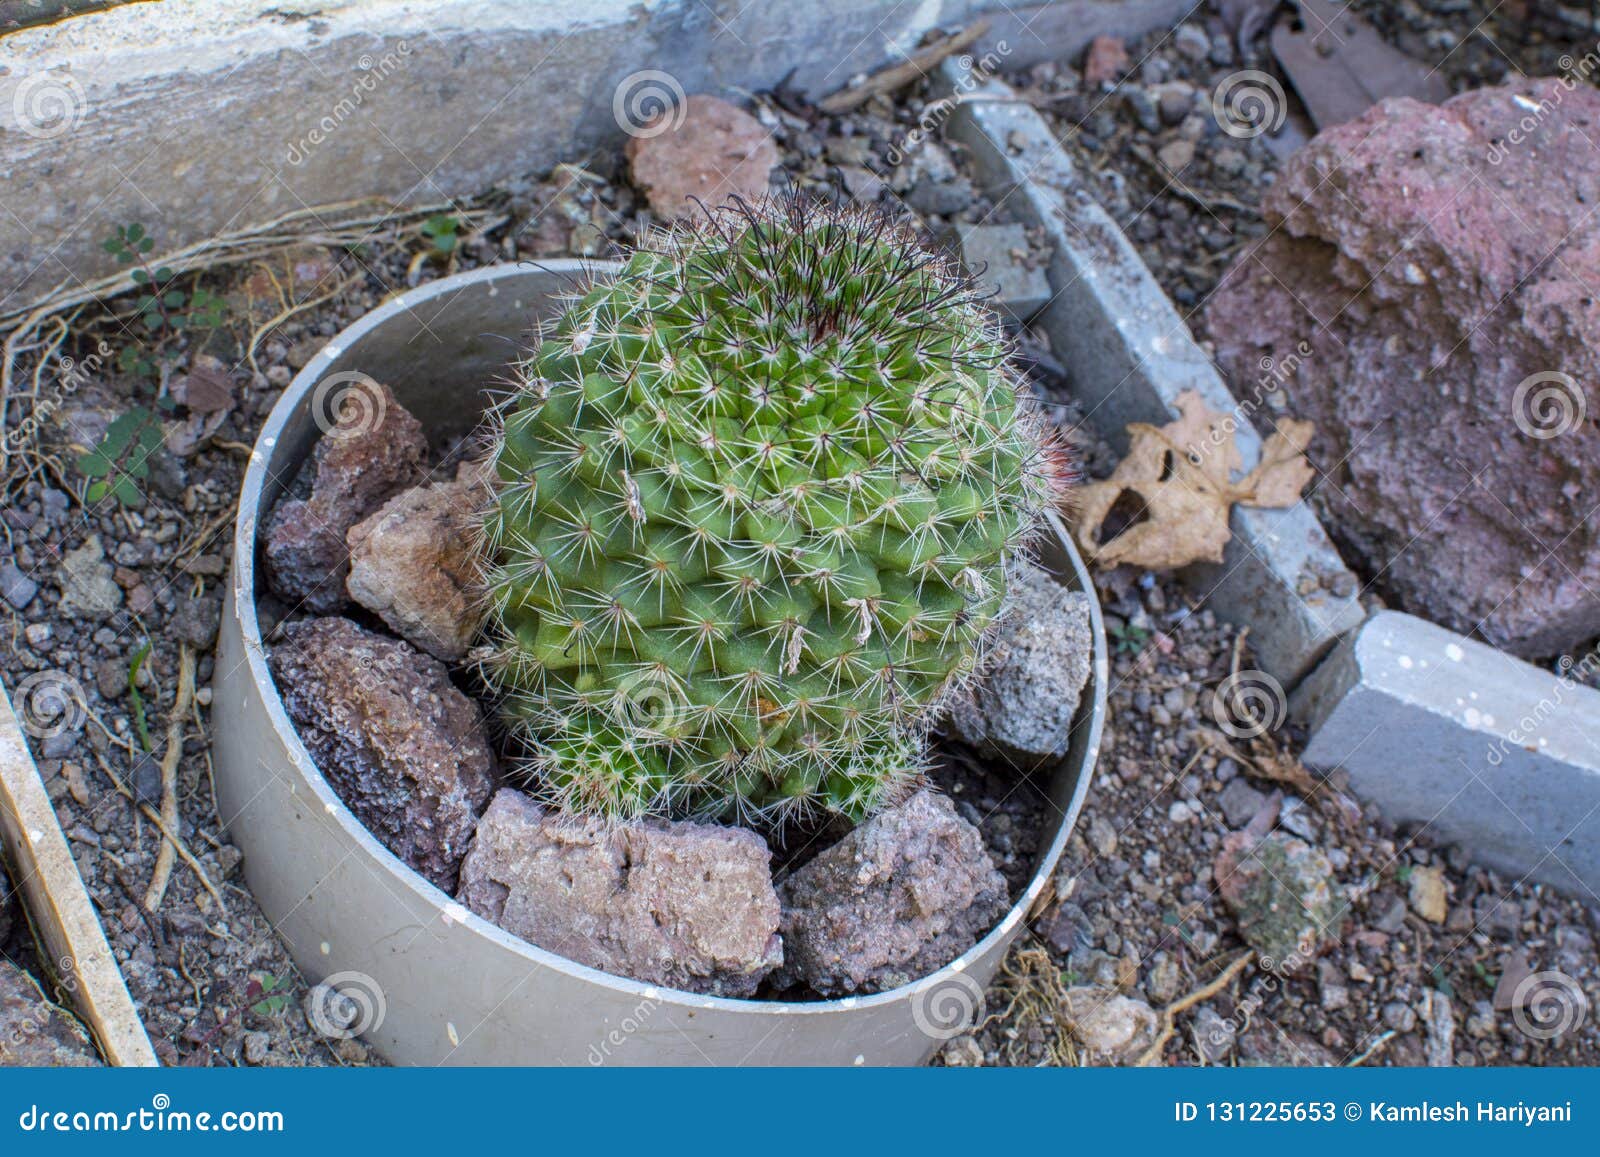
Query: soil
[[1138, 909]]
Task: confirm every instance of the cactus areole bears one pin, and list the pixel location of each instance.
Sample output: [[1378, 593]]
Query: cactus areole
[[755, 498]]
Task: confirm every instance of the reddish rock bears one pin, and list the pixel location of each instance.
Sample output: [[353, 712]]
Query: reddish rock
[[1432, 260], [705, 149], [395, 740], [901, 896], [1105, 61], [374, 449], [412, 563], [684, 905]]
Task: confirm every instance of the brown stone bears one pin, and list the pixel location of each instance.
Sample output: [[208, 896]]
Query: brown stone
[[1421, 297], [395, 740], [685, 905], [412, 564], [705, 149], [1105, 61], [374, 449]]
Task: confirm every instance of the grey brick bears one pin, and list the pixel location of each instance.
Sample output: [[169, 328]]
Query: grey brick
[[1486, 750]]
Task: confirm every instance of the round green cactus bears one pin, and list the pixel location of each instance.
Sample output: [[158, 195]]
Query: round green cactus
[[754, 501]]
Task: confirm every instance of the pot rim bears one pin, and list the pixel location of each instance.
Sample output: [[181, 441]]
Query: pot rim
[[248, 520]]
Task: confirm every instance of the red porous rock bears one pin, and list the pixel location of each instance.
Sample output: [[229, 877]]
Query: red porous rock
[[1424, 296]]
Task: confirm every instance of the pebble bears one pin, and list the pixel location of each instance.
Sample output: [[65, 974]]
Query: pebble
[[15, 587], [1399, 1016], [256, 1047], [1192, 42]]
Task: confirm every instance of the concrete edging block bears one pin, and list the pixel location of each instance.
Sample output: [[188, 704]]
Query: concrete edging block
[[1130, 356], [195, 118], [1486, 750]]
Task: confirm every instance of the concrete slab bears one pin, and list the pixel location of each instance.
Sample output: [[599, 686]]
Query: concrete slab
[[1004, 265], [1486, 750], [1130, 355], [193, 117]]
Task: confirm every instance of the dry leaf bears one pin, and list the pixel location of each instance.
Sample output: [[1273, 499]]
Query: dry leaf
[[1166, 505]]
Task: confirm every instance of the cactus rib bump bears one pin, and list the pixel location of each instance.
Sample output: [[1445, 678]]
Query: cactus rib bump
[[755, 499]]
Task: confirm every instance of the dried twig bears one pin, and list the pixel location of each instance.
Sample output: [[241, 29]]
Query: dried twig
[[1152, 1055], [897, 76], [154, 817], [169, 778]]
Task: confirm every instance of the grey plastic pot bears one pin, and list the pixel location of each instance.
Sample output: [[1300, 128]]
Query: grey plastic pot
[[433, 983]]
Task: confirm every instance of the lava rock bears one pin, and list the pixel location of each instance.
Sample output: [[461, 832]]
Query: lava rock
[[89, 587], [412, 564], [685, 905], [1022, 706], [899, 897], [707, 149], [1283, 894], [398, 743], [374, 449], [1442, 346], [35, 1032]]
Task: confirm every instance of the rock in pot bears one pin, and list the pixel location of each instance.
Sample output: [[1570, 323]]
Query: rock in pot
[[685, 905], [412, 563], [399, 744], [1022, 706], [899, 897], [375, 448]]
